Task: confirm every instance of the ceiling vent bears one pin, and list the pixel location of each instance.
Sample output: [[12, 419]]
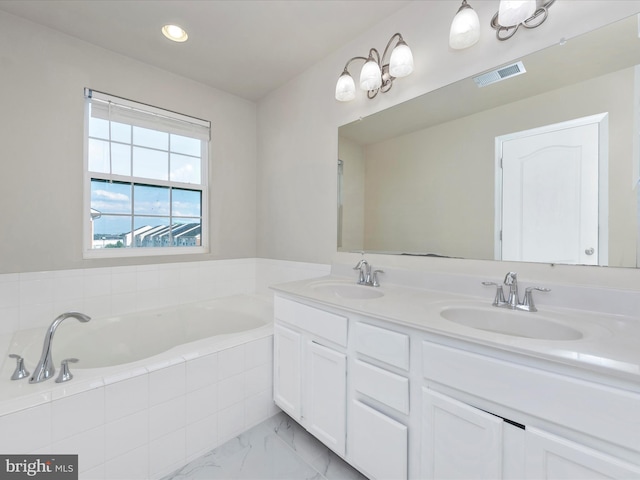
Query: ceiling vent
[[499, 74]]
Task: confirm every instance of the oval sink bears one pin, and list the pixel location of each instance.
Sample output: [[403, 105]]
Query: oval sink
[[508, 322], [343, 290]]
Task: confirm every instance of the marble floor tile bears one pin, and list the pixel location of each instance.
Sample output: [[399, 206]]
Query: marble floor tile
[[277, 449]]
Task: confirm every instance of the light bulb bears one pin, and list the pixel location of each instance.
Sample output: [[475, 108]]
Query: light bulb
[[370, 76], [401, 62], [514, 12], [345, 88], [465, 28], [175, 33]]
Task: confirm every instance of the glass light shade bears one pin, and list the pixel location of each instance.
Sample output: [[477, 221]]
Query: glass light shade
[[465, 29], [370, 76], [401, 62], [345, 88], [514, 12]]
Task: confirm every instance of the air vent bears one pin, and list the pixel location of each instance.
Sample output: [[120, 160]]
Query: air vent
[[499, 74]]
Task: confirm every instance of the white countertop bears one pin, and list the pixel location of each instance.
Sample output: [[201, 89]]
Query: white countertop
[[610, 344]]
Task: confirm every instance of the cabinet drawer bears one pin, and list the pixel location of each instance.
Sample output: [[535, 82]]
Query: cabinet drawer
[[382, 344], [381, 385], [566, 401], [378, 444], [313, 320]]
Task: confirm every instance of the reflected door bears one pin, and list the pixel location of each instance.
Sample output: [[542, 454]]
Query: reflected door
[[550, 194]]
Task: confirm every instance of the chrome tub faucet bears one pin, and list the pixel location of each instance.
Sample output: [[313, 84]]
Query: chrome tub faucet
[[45, 368]]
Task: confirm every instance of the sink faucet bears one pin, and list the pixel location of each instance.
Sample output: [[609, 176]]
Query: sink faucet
[[366, 276], [513, 300], [45, 368], [511, 281]]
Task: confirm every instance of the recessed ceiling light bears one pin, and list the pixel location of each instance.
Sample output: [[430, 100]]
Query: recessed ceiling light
[[175, 33]]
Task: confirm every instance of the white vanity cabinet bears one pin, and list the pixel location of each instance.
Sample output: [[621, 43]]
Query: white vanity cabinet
[[462, 441], [378, 412], [310, 369]]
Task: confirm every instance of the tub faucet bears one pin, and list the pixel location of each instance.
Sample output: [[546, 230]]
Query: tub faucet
[[45, 368]]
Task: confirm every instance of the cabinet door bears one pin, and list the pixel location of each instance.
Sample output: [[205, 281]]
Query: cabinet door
[[459, 441], [325, 399], [287, 353], [377, 443], [551, 457]]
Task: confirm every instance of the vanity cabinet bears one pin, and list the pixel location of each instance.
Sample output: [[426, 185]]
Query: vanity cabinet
[[378, 413], [310, 369], [463, 441]]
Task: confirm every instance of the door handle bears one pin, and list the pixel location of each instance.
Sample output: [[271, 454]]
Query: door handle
[[589, 251]]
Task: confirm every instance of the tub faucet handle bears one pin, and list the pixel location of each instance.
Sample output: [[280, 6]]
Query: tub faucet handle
[[65, 373], [20, 371]]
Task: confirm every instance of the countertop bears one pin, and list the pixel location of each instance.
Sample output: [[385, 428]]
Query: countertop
[[609, 347]]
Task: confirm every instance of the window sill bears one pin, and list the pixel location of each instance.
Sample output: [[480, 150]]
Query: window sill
[[142, 252]]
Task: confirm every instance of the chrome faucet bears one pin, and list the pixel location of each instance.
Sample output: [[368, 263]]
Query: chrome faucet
[[366, 276], [45, 368], [513, 300]]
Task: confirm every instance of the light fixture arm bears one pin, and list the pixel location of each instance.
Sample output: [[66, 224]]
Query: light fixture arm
[[505, 32], [386, 79]]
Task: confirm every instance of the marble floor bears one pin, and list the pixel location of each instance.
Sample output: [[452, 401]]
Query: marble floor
[[278, 448]]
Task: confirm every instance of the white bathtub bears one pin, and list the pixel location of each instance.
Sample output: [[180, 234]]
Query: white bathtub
[[151, 391]]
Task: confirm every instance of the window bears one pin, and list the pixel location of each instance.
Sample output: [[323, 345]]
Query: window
[[145, 179]]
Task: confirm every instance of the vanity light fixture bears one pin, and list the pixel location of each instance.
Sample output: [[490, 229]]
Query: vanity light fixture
[[513, 13], [376, 76], [465, 28], [175, 33]]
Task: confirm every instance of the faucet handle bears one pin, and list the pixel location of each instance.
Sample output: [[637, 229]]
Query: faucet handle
[[499, 298], [527, 303], [374, 278], [20, 371], [65, 373]]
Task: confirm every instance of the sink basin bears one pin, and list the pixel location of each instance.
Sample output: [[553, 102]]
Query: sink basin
[[508, 322], [344, 290]]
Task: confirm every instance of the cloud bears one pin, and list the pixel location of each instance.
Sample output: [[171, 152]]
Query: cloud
[[110, 196]]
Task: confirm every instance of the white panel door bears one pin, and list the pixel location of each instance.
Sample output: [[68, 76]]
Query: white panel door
[[550, 195], [287, 354], [549, 457], [377, 444], [325, 395], [459, 441]]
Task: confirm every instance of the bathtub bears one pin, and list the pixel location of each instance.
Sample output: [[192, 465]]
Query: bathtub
[[151, 391]]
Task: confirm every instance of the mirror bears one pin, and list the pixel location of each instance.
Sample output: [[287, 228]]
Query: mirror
[[422, 177]]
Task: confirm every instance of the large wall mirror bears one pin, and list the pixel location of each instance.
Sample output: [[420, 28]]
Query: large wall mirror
[[425, 177]]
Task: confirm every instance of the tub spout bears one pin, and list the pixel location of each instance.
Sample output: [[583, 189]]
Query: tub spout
[[45, 368]]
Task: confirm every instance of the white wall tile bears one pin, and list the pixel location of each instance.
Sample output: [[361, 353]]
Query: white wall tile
[[167, 417], [9, 320], [257, 408], [133, 465], [258, 379], [27, 430], [230, 422], [126, 434], [97, 282], [126, 397], [201, 437], [167, 453], [259, 352], [36, 315], [231, 391], [9, 291], [202, 403], [36, 288], [88, 445], [202, 371], [167, 383], [77, 413], [231, 362]]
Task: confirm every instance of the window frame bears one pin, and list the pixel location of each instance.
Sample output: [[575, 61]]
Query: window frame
[[88, 176]]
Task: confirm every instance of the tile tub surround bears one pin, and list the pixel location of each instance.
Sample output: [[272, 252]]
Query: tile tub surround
[[277, 448], [150, 423]]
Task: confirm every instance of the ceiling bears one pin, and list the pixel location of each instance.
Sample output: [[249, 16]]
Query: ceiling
[[244, 47]]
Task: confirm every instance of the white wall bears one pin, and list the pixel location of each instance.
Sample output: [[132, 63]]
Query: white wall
[[42, 75], [297, 124]]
